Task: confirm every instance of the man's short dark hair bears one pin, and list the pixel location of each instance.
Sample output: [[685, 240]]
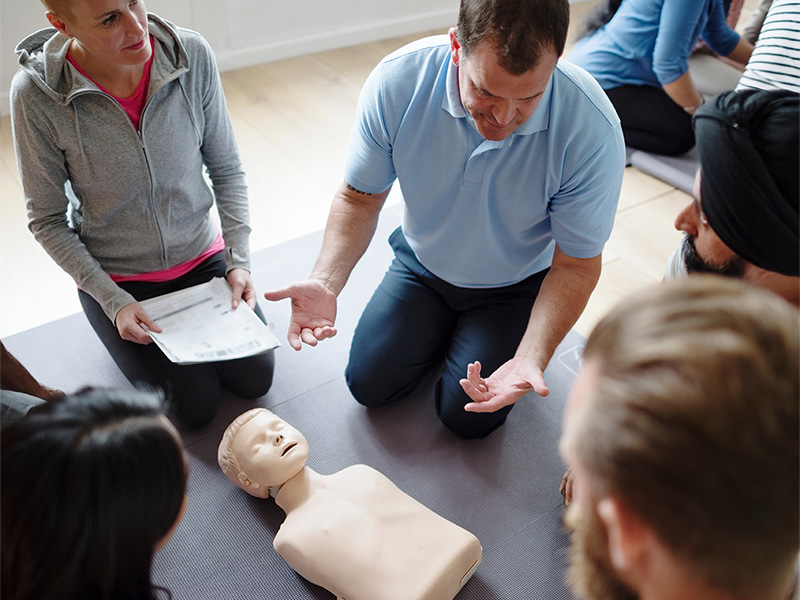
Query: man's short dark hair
[[519, 29]]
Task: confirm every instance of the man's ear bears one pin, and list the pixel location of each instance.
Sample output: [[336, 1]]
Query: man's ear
[[247, 482], [455, 46], [59, 23], [628, 535]]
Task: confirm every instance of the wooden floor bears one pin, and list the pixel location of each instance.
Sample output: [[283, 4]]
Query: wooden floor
[[292, 120]]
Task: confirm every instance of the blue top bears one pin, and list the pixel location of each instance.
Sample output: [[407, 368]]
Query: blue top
[[482, 213], [648, 42]]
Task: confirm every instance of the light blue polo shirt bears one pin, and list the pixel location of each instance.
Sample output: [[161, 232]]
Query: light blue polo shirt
[[480, 213]]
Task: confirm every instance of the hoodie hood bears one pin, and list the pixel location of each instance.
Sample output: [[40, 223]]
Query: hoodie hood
[[43, 56]]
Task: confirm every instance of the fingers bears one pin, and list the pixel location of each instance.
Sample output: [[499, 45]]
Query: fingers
[[237, 287], [487, 406], [280, 294], [323, 333], [564, 479], [568, 486], [542, 389], [249, 296], [297, 336], [307, 336], [475, 393], [313, 336], [473, 385], [144, 319], [474, 376], [136, 334], [133, 322], [293, 336], [539, 386]]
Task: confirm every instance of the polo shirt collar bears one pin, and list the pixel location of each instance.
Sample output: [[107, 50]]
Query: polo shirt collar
[[539, 120]]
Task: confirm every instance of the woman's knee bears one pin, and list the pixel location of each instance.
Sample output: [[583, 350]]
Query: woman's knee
[[193, 403], [249, 378]]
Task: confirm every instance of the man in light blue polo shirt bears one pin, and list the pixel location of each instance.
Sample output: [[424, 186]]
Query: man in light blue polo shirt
[[510, 163]]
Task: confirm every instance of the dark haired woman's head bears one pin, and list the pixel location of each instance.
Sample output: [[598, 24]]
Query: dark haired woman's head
[[90, 485]]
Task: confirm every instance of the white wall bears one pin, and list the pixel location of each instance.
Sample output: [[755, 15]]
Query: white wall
[[248, 32]]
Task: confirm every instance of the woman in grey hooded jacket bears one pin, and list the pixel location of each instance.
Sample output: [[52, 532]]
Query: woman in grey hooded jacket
[[116, 113]]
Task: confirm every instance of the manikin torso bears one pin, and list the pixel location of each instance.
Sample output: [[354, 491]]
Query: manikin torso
[[360, 537]]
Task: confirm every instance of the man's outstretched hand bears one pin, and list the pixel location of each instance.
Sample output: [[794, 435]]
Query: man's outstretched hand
[[504, 387], [313, 311]]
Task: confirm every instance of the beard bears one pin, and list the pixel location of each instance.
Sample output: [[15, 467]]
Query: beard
[[733, 267], [591, 574]]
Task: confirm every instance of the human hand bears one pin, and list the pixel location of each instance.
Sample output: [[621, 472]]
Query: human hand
[[131, 321], [242, 287], [567, 488], [313, 311], [504, 387], [49, 394]]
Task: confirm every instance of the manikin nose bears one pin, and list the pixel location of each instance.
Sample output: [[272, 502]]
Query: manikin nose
[[278, 440]]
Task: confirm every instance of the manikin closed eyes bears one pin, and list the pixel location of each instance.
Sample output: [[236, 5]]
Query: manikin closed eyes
[[354, 532]]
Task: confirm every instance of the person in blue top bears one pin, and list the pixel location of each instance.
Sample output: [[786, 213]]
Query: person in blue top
[[510, 163], [640, 58]]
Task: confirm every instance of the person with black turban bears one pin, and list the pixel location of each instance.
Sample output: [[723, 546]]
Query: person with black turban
[[744, 221]]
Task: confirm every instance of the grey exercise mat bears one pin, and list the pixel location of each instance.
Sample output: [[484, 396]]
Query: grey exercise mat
[[503, 488], [674, 170]]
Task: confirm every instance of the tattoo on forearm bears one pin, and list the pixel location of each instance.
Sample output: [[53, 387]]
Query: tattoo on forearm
[[352, 189]]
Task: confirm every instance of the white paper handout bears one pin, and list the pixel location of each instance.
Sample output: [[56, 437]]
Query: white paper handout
[[198, 325]]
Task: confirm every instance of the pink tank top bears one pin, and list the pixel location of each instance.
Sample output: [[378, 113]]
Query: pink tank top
[[134, 105]]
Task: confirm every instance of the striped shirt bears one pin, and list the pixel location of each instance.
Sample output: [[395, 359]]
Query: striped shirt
[[775, 62]]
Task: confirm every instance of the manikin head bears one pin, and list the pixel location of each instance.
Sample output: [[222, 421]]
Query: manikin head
[[683, 432], [260, 452], [506, 52], [743, 221]]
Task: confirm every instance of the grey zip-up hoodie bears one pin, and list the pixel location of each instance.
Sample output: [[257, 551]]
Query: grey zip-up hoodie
[[104, 198]]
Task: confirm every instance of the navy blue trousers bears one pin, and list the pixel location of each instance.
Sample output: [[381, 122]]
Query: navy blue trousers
[[415, 322], [193, 391]]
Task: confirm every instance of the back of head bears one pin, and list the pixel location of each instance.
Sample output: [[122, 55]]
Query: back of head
[[749, 147], [519, 29], [693, 424], [89, 486]]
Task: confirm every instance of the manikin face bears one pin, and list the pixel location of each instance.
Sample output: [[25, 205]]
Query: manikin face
[[591, 572], [112, 32], [269, 450], [703, 250], [498, 101]]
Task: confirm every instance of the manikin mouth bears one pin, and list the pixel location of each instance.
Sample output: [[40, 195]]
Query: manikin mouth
[[289, 447]]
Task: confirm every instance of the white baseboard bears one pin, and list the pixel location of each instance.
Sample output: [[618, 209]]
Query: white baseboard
[[237, 59]]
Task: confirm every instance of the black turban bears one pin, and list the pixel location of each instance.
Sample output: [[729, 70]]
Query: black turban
[[749, 145]]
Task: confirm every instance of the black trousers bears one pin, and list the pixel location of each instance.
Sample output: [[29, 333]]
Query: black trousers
[[416, 322], [651, 121], [193, 391]]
